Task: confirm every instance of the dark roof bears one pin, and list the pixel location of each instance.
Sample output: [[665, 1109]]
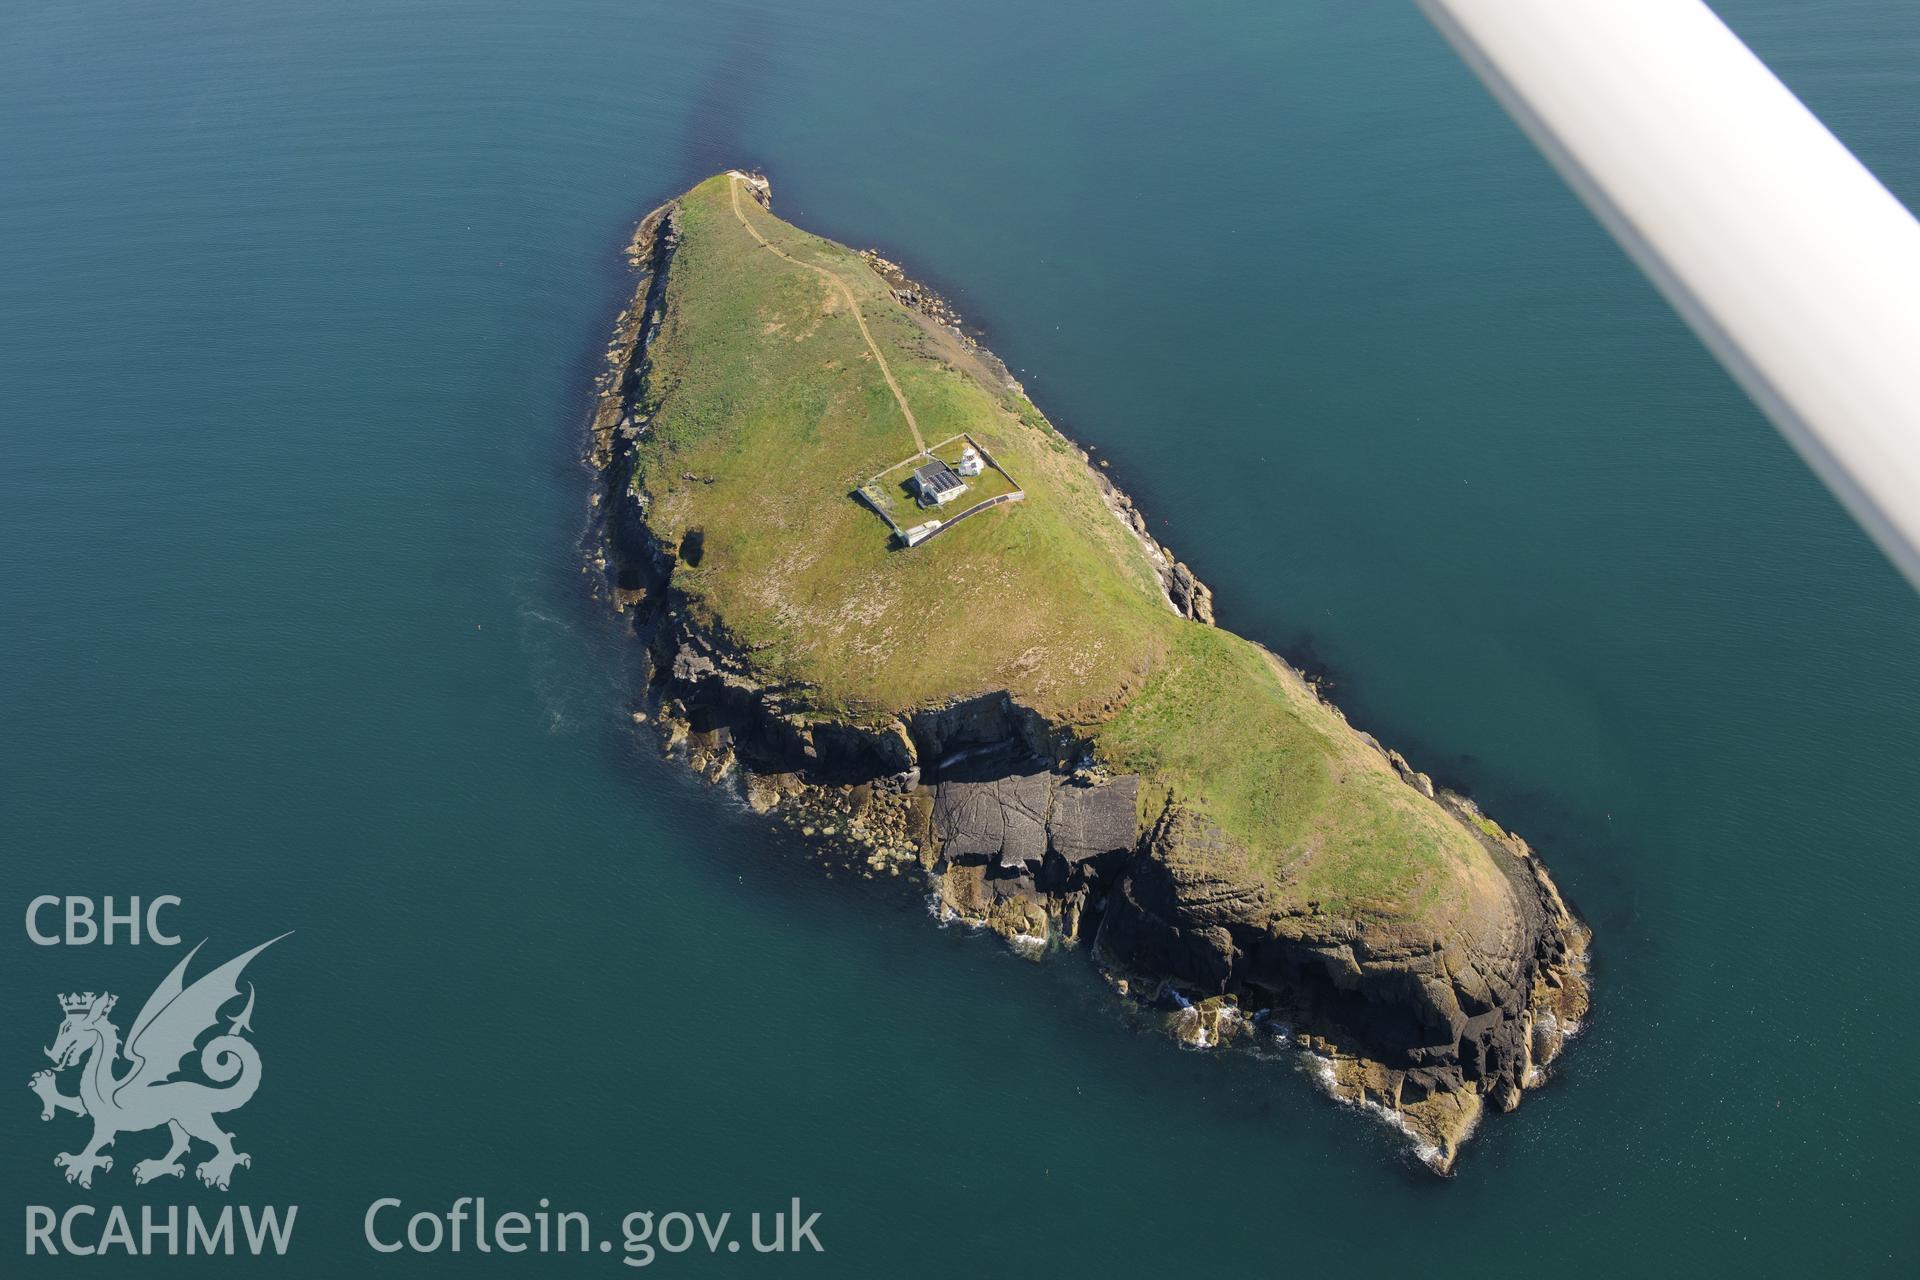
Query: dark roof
[[939, 476]]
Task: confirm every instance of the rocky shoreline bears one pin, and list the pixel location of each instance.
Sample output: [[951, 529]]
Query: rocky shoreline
[[1017, 828]]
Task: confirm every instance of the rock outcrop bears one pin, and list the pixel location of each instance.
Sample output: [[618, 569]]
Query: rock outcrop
[[1424, 1028]]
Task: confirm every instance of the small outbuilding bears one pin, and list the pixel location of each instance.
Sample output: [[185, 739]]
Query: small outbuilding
[[937, 483]]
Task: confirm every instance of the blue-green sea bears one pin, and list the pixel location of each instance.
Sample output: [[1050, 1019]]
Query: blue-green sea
[[301, 307]]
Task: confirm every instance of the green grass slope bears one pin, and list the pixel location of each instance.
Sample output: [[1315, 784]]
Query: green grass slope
[[769, 409]]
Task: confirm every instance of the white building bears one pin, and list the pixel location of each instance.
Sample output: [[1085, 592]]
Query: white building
[[937, 483]]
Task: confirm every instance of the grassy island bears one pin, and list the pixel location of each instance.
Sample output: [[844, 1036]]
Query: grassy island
[[762, 380]]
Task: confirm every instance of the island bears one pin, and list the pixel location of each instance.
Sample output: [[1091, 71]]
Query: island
[[879, 593]]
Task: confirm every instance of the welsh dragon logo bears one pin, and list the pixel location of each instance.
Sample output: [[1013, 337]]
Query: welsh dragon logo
[[146, 1095]]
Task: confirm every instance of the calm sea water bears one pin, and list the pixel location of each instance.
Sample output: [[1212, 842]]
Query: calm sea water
[[302, 302]]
